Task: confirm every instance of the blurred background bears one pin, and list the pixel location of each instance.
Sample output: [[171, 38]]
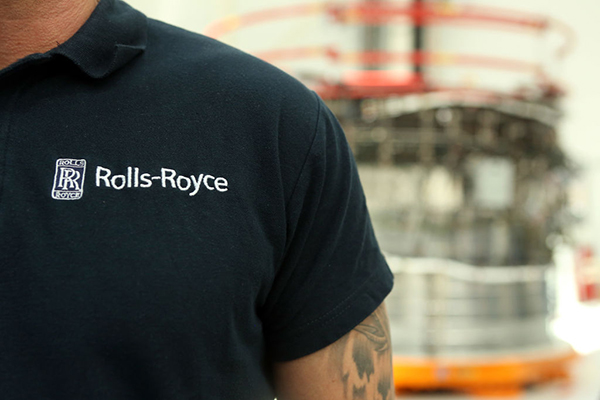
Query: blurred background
[[474, 127]]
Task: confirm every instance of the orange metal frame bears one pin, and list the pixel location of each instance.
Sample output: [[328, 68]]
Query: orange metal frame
[[374, 58], [365, 84], [501, 375], [383, 12]]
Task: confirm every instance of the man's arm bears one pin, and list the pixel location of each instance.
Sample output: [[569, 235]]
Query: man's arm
[[358, 366]]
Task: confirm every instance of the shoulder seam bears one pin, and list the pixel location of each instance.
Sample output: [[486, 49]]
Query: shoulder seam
[[310, 148]]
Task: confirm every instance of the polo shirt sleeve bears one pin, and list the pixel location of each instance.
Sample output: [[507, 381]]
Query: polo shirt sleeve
[[333, 274]]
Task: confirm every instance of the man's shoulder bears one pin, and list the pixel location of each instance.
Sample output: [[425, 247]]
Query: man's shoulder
[[179, 55]]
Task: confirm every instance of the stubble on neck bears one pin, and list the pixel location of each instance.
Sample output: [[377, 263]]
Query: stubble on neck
[[37, 26]]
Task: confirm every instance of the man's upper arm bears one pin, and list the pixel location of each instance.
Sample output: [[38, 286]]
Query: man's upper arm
[[357, 366]]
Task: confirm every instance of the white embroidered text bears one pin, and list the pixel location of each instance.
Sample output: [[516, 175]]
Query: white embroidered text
[[168, 178]]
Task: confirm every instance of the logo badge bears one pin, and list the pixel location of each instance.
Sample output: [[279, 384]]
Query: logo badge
[[68, 179]]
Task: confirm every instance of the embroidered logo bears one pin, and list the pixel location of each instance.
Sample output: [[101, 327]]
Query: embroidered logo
[[134, 178], [68, 179]]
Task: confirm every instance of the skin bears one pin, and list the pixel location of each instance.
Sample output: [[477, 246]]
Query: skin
[[356, 367], [36, 26]]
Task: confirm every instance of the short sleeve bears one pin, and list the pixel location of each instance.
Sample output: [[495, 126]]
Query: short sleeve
[[332, 275]]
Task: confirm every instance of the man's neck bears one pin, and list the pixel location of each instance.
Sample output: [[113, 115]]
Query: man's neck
[[36, 26]]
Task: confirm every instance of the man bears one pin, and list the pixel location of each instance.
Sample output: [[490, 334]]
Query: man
[[178, 220]]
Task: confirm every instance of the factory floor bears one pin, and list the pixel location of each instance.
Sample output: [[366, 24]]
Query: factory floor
[[584, 385]]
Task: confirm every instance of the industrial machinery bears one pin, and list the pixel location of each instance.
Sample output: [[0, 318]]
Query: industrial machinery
[[465, 182]]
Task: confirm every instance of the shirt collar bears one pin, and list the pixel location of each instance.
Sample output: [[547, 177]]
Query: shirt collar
[[114, 34]]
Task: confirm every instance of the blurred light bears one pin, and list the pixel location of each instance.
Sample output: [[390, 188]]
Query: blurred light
[[579, 327]]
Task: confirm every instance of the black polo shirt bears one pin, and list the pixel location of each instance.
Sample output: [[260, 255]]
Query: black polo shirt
[[174, 215]]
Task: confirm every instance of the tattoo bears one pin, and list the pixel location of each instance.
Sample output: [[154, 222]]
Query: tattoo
[[345, 383], [366, 369], [359, 393], [384, 385], [363, 359], [377, 329]]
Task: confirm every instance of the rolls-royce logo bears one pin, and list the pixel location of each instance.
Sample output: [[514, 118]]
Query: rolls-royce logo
[[68, 179]]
